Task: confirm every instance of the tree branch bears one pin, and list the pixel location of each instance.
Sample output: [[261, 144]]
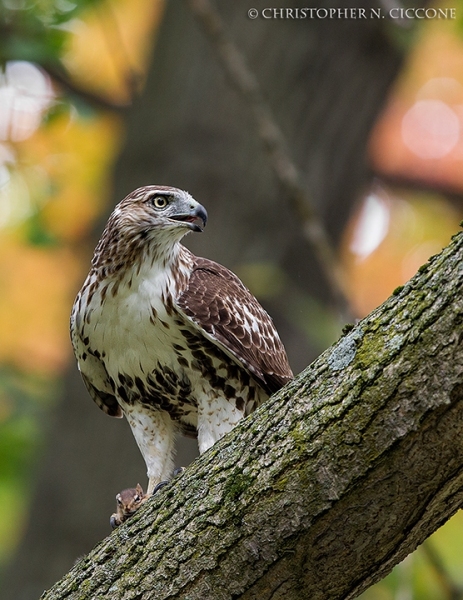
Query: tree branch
[[243, 79], [60, 76], [325, 488]]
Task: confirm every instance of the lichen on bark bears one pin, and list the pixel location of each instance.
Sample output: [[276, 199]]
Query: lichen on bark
[[327, 486]]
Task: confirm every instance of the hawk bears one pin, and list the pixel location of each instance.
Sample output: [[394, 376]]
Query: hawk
[[173, 342]]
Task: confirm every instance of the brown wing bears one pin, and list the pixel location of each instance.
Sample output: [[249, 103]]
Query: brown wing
[[224, 308]]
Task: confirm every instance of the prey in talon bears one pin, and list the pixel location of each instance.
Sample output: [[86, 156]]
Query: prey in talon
[[173, 342], [128, 501]]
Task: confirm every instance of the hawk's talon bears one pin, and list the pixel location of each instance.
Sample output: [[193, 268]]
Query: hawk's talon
[[114, 521], [159, 486], [162, 484]]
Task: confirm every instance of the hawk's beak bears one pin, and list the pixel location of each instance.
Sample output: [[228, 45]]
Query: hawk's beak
[[200, 216], [196, 219]]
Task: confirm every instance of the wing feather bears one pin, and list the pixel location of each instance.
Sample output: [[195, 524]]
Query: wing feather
[[218, 302], [105, 400], [93, 372]]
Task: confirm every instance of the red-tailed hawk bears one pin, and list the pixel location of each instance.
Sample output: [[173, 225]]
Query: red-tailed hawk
[[171, 341]]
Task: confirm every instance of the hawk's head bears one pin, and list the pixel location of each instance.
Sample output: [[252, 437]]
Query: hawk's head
[[153, 218], [160, 208]]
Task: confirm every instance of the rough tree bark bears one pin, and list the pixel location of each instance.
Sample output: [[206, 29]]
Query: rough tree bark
[[325, 488]]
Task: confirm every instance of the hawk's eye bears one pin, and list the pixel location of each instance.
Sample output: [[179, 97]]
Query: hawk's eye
[[159, 201]]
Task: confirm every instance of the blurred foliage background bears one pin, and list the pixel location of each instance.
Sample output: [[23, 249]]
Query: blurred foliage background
[[57, 145], [68, 71]]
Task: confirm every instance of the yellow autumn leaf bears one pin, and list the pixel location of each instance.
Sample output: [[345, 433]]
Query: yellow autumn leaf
[[36, 290], [110, 48]]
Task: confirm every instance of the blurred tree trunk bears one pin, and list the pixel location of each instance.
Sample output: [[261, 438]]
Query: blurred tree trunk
[[326, 82], [328, 485]]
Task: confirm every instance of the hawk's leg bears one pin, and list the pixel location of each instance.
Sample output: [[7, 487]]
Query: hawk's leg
[[154, 432], [216, 417]]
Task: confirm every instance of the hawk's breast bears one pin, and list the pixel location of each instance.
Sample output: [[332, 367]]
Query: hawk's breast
[[155, 355]]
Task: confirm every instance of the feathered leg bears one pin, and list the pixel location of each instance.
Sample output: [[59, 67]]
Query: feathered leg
[[216, 417], [154, 432]]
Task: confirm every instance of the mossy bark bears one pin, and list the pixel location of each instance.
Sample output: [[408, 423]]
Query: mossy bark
[[323, 490]]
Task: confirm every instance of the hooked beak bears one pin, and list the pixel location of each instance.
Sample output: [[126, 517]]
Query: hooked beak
[[196, 220]]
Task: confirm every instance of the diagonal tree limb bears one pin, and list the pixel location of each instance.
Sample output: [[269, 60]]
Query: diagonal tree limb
[[244, 80], [325, 488]]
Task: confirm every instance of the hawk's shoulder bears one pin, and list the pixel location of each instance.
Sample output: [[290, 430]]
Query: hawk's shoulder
[[218, 302]]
